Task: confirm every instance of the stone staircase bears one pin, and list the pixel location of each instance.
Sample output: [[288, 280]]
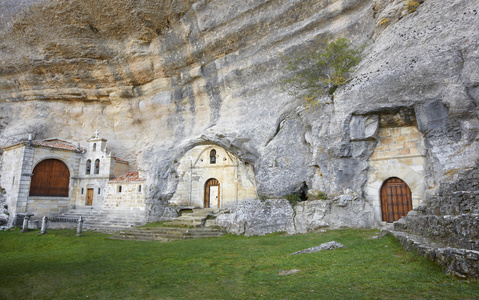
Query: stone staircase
[[106, 220], [166, 234], [204, 217], [445, 228], [192, 224]]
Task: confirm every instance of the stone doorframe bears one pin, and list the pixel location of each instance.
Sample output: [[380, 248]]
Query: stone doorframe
[[388, 169], [209, 183]]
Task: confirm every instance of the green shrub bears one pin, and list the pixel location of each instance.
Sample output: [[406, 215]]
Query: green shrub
[[317, 196], [293, 198], [411, 6], [319, 69], [263, 197]]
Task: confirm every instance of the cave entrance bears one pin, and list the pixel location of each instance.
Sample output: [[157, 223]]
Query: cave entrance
[[212, 193], [396, 200]]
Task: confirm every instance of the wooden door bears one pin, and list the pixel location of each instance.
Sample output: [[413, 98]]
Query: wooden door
[[51, 178], [89, 197], [396, 200], [212, 193]]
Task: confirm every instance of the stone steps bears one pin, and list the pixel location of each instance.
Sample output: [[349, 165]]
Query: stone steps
[[190, 225], [458, 262], [166, 234], [106, 220], [453, 230], [194, 218]]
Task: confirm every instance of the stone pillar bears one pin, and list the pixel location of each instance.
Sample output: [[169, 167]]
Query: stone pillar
[[25, 223], [14, 221], [25, 179], [44, 225], [80, 226]]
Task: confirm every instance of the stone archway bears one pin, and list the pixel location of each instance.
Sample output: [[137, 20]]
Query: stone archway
[[51, 178], [389, 169], [212, 193], [396, 200]]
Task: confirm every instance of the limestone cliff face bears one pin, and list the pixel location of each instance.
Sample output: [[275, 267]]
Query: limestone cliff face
[[157, 77]]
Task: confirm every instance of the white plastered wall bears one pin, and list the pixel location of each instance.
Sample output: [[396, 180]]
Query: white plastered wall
[[194, 169]]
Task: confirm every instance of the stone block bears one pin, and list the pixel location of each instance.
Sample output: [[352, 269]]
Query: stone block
[[413, 151], [414, 136], [395, 132], [363, 127], [396, 146], [385, 132], [390, 153], [387, 140], [406, 161]]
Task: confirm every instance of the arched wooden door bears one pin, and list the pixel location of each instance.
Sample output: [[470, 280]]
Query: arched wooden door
[[396, 200], [51, 178], [212, 193]]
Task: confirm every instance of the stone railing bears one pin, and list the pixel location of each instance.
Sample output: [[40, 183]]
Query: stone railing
[[24, 219]]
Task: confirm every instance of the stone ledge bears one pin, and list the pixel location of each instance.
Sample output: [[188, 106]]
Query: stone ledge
[[455, 230], [460, 263]]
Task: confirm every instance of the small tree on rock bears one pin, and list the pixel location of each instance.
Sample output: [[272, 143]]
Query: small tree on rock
[[318, 70]]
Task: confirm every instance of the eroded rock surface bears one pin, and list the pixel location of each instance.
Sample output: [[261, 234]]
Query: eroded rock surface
[[157, 77], [278, 215]]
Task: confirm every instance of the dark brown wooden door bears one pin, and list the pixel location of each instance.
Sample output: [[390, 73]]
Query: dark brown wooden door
[[396, 200], [212, 193], [51, 178], [89, 197]]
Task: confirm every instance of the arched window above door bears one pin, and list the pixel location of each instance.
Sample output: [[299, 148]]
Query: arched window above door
[[213, 156]]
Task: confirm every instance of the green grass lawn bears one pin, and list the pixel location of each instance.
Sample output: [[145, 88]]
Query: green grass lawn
[[61, 266]]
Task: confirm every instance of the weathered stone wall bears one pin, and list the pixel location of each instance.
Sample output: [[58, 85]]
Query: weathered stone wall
[[47, 206], [81, 193], [405, 143], [130, 197], [11, 178]]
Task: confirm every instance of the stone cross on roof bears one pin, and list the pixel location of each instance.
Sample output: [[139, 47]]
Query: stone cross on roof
[[96, 134]]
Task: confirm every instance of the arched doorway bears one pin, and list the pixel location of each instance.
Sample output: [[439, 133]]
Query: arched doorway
[[212, 193], [396, 200], [51, 178]]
